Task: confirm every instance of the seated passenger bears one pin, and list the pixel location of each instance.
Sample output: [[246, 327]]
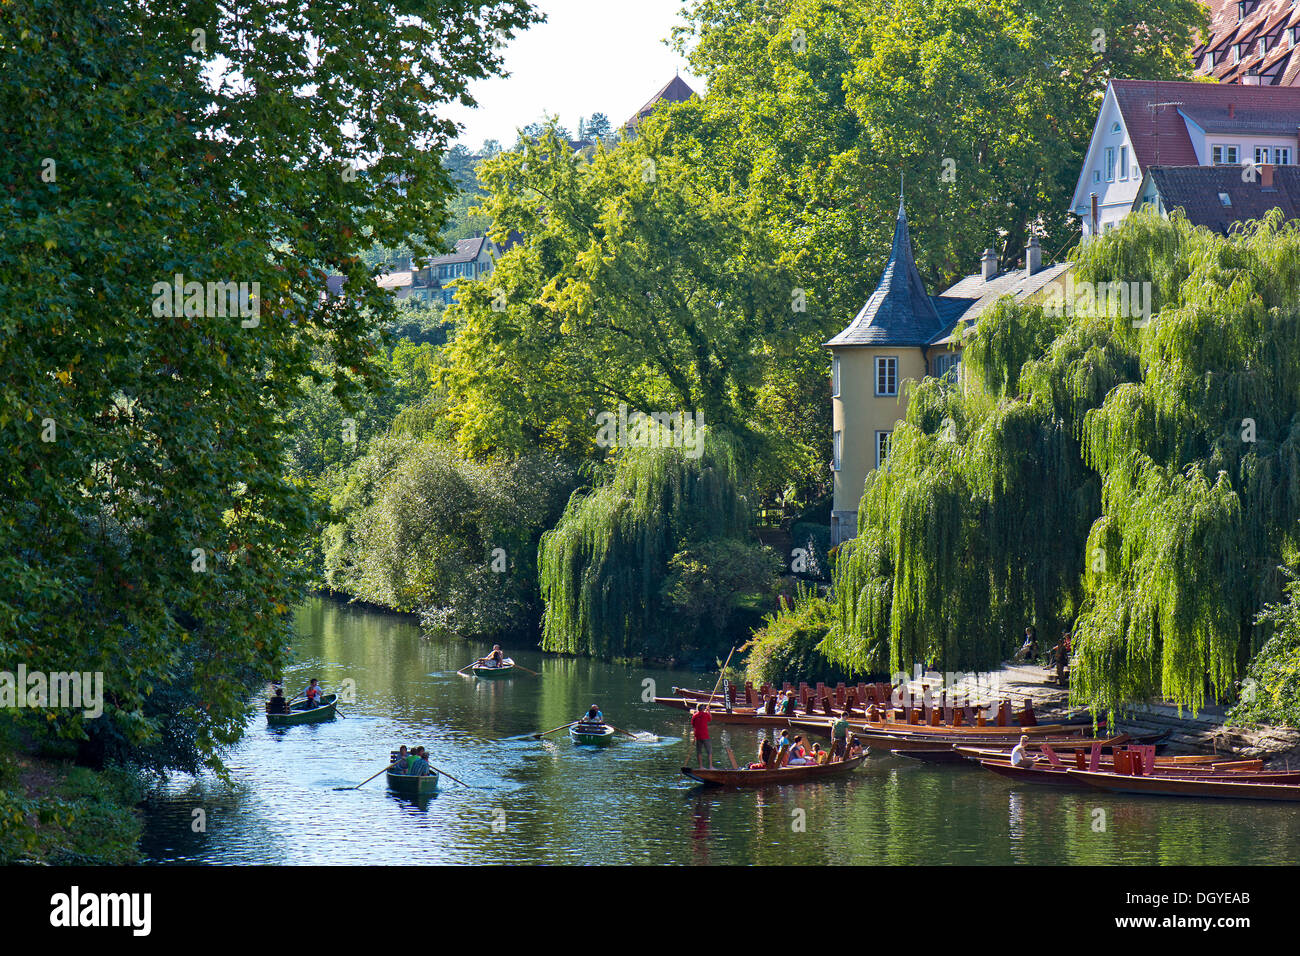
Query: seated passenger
[[419, 765], [855, 747], [277, 704], [399, 764]]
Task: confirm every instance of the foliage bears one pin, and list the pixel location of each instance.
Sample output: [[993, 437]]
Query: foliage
[[1271, 691], [149, 532], [426, 531], [1138, 481], [706, 577], [604, 567], [787, 647]]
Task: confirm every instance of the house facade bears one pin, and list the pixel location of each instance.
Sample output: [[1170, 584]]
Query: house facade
[[903, 334], [431, 281], [1147, 123]]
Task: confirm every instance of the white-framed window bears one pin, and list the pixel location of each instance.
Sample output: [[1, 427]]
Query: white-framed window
[[1114, 127], [1110, 164], [1223, 155], [945, 363], [886, 375], [1261, 155], [1282, 155], [882, 447], [835, 377], [1096, 175], [1123, 162], [837, 449], [1236, 52]]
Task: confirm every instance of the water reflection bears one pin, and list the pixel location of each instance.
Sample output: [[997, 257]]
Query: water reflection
[[551, 801]]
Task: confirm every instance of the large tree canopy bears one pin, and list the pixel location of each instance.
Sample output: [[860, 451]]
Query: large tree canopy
[[147, 531], [1138, 481]]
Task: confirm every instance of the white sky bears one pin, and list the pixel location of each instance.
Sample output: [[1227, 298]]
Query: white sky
[[590, 56]]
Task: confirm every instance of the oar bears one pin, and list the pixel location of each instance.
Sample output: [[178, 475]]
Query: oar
[[368, 779], [626, 734], [469, 665], [527, 671], [446, 774], [544, 733]]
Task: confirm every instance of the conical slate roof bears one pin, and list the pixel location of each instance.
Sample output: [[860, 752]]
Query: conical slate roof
[[899, 312]]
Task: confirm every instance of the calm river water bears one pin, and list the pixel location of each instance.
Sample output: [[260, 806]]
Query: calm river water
[[554, 802]]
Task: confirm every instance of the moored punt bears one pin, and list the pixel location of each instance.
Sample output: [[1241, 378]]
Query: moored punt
[[1168, 786], [299, 713], [763, 778], [960, 753], [591, 733], [1061, 776], [976, 754], [415, 786], [494, 671], [745, 716], [904, 742]]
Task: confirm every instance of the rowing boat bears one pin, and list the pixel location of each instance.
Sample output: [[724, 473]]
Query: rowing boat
[[414, 786], [1164, 786], [591, 733], [494, 671], [762, 778], [301, 714]]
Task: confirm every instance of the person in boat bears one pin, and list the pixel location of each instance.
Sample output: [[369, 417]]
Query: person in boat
[[277, 704], [494, 659], [765, 754], [839, 737], [700, 727], [399, 765], [592, 716], [788, 704], [420, 764], [784, 739], [1019, 756], [782, 754], [855, 747], [769, 704], [798, 756], [819, 756], [314, 694]]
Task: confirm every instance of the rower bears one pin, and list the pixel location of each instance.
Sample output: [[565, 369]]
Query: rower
[[314, 694], [399, 765], [1018, 756], [839, 737]]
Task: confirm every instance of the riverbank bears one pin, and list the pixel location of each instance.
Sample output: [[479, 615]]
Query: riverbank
[[1206, 732]]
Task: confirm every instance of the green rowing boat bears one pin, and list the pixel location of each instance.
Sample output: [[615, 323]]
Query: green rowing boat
[[495, 672], [591, 733], [413, 786], [300, 714]]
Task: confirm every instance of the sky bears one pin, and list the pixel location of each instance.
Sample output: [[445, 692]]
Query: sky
[[590, 56]]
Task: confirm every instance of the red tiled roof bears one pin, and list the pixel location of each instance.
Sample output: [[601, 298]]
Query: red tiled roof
[[1266, 19], [1159, 132]]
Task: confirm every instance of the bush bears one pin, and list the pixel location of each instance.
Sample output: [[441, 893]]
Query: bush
[[786, 648]]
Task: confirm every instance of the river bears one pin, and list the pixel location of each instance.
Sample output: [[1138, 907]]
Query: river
[[555, 802]]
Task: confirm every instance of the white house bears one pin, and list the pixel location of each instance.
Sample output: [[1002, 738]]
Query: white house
[[1145, 123]]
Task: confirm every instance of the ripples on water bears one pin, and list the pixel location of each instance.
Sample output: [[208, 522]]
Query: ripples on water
[[554, 802]]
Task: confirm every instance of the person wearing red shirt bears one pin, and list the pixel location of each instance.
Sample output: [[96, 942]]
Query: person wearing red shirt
[[700, 725]]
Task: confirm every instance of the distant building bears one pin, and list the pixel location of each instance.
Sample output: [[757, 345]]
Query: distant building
[[471, 259], [1253, 42], [1220, 197], [675, 91], [902, 334], [1147, 123]]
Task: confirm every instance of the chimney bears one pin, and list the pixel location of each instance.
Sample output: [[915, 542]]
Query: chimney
[[1033, 257], [988, 264], [1266, 176], [1232, 111]]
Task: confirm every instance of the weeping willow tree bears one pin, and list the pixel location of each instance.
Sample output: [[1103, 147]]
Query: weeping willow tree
[[1134, 480], [604, 566]]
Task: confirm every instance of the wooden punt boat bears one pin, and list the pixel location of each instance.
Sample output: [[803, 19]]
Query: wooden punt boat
[[494, 672], [591, 733], [1166, 786], [413, 786], [976, 754], [1061, 776], [887, 742], [956, 753], [763, 778], [300, 714]]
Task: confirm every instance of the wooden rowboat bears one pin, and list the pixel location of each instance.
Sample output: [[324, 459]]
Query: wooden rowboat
[[494, 671], [591, 733], [959, 753], [413, 786], [1165, 786], [763, 778], [300, 714]]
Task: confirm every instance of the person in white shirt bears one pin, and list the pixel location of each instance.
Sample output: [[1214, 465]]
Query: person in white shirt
[[1018, 756]]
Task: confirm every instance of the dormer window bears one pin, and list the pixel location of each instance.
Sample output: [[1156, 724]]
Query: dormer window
[[1236, 52], [1263, 45], [1225, 199], [1243, 7]]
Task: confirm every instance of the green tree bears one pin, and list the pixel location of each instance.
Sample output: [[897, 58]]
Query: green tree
[[149, 532]]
